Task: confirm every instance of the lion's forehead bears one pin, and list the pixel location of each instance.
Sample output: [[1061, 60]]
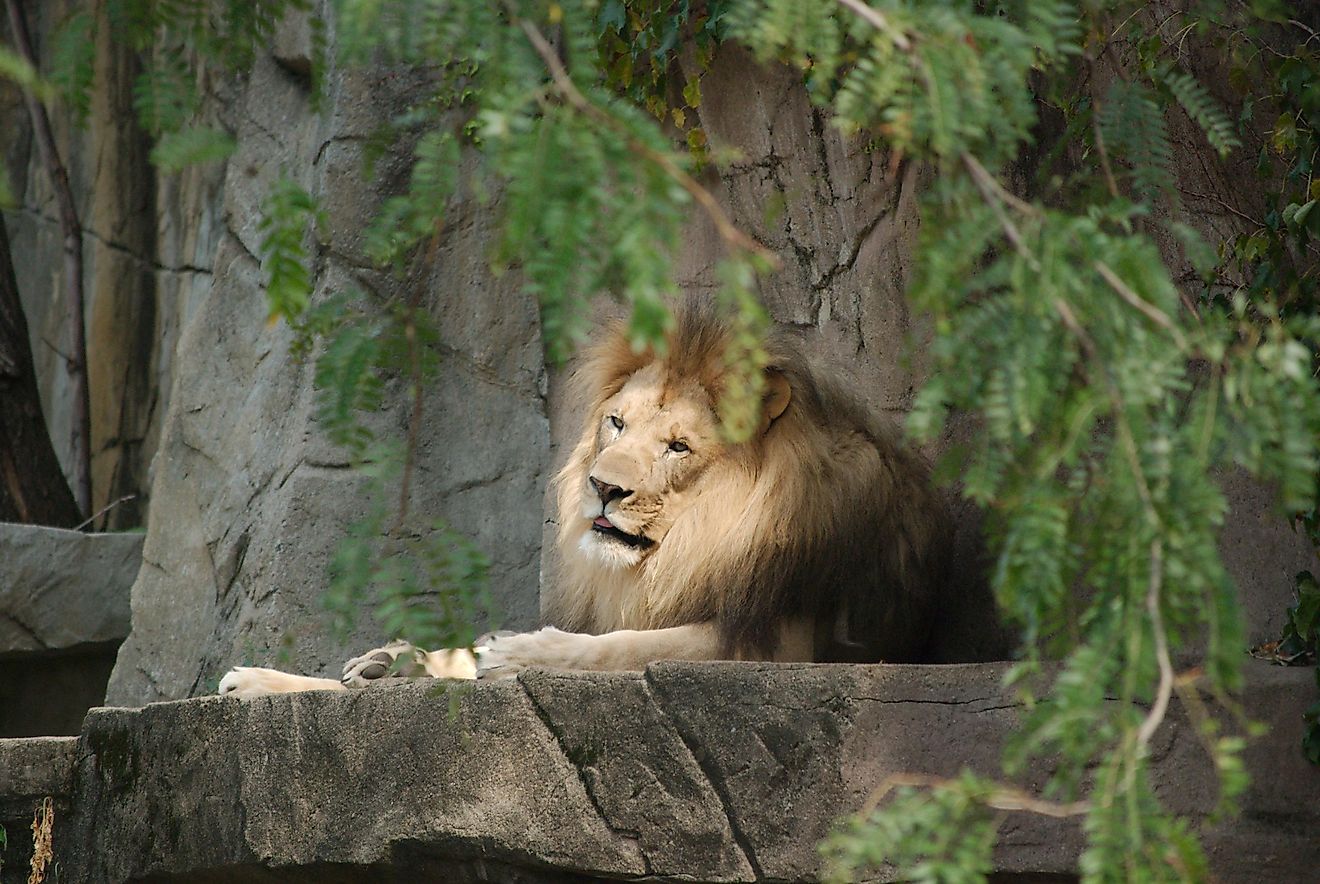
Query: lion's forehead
[[664, 406]]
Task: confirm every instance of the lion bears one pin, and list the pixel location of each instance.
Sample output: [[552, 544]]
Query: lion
[[818, 539]]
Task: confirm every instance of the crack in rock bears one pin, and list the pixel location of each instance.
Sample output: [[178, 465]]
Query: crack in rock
[[630, 835], [655, 692]]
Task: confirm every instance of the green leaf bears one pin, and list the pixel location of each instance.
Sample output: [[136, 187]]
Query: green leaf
[[1203, 109], [188, 147], [70, 58], [287, 214], [14, 68]]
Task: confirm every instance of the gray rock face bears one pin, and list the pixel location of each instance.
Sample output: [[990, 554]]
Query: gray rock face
[[250, 500], [713, 772], [62, 589], [31, 770], [64, 610]]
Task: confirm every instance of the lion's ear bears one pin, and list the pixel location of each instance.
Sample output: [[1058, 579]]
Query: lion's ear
[[775, 399]]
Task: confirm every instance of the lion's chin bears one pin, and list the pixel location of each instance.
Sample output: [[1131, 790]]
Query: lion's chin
[[609, 552]]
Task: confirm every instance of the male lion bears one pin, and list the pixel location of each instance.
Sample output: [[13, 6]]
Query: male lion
[[819, 539]]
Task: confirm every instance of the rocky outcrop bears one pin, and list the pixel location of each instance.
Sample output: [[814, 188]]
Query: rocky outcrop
[[249, 498], [713, 772], [62, 589], [64, 610]]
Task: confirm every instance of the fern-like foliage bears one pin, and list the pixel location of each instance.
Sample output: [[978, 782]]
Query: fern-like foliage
[[1133, 126], [408, 220], [184, 42], [943, 837], [429, 586], [591, 191], [1203, 109], [286, 216], [1062, 331], [69, 61], [942, 93], [15, 68], [164, 96], [193, 146]]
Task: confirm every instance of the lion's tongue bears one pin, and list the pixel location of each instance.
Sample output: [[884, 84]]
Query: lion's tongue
[[603, 522]]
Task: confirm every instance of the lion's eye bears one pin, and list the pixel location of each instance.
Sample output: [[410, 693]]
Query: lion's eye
[[616, 421], [678, 446]]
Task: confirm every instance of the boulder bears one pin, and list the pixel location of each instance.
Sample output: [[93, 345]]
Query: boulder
[[64, 610], [60, 590]]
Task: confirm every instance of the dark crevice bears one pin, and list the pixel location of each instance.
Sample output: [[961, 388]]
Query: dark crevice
[[116, 247]]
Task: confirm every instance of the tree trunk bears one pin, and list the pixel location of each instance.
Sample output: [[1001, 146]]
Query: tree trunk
[[76, 359], [32, 487]]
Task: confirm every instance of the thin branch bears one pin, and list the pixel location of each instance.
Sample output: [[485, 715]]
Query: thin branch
[[1314, 35], [993, 196], [732, 236], [1161, 705], [1105, 167], [102, 511], [1124, 22], [989, 183], [1222, 204], [1002, 798], [1156, 579], [1149, 310], [877, 19]]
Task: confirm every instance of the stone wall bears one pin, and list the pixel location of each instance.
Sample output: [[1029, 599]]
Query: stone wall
[[147, 247]]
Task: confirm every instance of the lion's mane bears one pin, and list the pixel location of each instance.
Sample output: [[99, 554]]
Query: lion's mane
[[824, 515]]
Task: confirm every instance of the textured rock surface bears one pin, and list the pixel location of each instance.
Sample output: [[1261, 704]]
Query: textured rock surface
[[136, 278], [31, 770], [61, 589], [64, 609], [250, 500], [723, 772]]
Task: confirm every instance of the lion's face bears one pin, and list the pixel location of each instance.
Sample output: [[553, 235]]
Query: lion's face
[[653, 442]]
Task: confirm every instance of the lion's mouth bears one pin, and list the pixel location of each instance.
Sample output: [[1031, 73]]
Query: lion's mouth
[[602, 525]]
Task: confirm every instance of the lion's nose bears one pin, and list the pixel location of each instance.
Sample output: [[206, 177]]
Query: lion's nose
[[607, 492]]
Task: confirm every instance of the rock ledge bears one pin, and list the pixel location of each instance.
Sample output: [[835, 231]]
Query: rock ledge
[[716, 772]]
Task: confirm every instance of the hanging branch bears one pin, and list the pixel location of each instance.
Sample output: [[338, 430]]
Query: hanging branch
[[76, 359], [734, 239]]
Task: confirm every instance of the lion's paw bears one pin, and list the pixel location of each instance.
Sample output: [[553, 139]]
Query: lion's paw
[[504, 655], [375, 664]]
